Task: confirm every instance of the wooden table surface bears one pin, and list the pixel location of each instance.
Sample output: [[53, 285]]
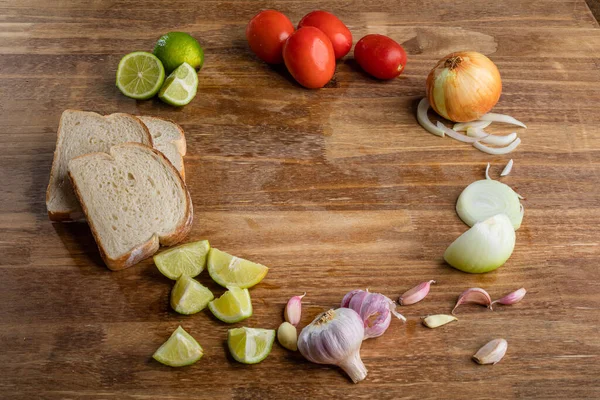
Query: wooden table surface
[[333, 189]]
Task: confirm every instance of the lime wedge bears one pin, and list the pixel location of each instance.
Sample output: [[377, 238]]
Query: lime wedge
[[180, 87], [179, 350], [188, 259], [188, 296], [140, 75], [250, 345], [228, 270], [233, 306]]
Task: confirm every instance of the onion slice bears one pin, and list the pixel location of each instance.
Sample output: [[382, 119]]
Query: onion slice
[[455, 135], [487, 197], [463, 126], [507, 119], [424, 119], [495, 140], [508, 168], [497, 150], [487, 172]]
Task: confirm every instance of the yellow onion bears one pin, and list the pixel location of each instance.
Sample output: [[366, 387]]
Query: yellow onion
[[463, 86]]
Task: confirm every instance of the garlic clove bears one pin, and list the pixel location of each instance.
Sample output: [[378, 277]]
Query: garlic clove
[[512, 298], [492, 352], [415, 294], [293, 310], [474, 296], [287, 336], [434, 321]]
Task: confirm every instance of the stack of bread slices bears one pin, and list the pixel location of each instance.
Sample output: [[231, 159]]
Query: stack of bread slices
[[125, 175]]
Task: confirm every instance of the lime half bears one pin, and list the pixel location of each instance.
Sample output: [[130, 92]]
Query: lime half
[[228, 270], [179, 350], [188, 259], [180, 87], [140, 75], [250, 345], [233, 306], [188, 296]]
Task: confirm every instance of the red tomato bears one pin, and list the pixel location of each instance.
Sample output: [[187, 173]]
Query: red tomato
[[336, 31], [380, 56], [309, 56], [266, 34]]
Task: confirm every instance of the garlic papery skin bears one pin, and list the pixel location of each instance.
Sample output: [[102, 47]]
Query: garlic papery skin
[[492, 352], [511, 298], [464, 86], [415, 294], [474, 296], [484, 247], [375, 309], [293, 310], [435, 321], [335, 337]]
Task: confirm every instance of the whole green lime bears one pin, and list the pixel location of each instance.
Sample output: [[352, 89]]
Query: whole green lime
[[175, 48]]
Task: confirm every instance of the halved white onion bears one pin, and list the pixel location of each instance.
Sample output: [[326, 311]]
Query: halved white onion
[[497, 150], [495, 140], [484, 247], [507, 169], [455, 135], [463, 126], [423, 119], [485, 198], [507, 119]]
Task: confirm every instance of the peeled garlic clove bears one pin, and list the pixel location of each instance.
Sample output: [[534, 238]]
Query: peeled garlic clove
[[434, 321], [512, 298], [474, 296], [293, 310], [415, 294], [287, 336], [492, 352]]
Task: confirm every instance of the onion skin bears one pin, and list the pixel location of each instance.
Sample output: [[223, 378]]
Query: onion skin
[[464, 86]]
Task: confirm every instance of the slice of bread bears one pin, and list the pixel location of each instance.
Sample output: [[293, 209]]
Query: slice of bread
[[168, 138], [133, 199], [82, 132]]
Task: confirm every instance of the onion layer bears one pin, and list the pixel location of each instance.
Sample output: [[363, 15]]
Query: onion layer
[[507, 119], [486, 198], [497, 150], [463, 126], [424, 119], [495, 140], [455, 135]]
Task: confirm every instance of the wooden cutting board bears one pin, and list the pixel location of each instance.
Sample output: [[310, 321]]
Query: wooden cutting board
[[333, 189]]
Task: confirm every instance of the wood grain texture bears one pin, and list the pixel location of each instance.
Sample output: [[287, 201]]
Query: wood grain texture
[[333, 189]]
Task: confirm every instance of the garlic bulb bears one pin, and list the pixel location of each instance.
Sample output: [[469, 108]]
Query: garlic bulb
[[375, 310], [335, 337], [464, 86]]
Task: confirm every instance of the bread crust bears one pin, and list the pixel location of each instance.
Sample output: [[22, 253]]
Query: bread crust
[[148, 248], [72, 215]]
